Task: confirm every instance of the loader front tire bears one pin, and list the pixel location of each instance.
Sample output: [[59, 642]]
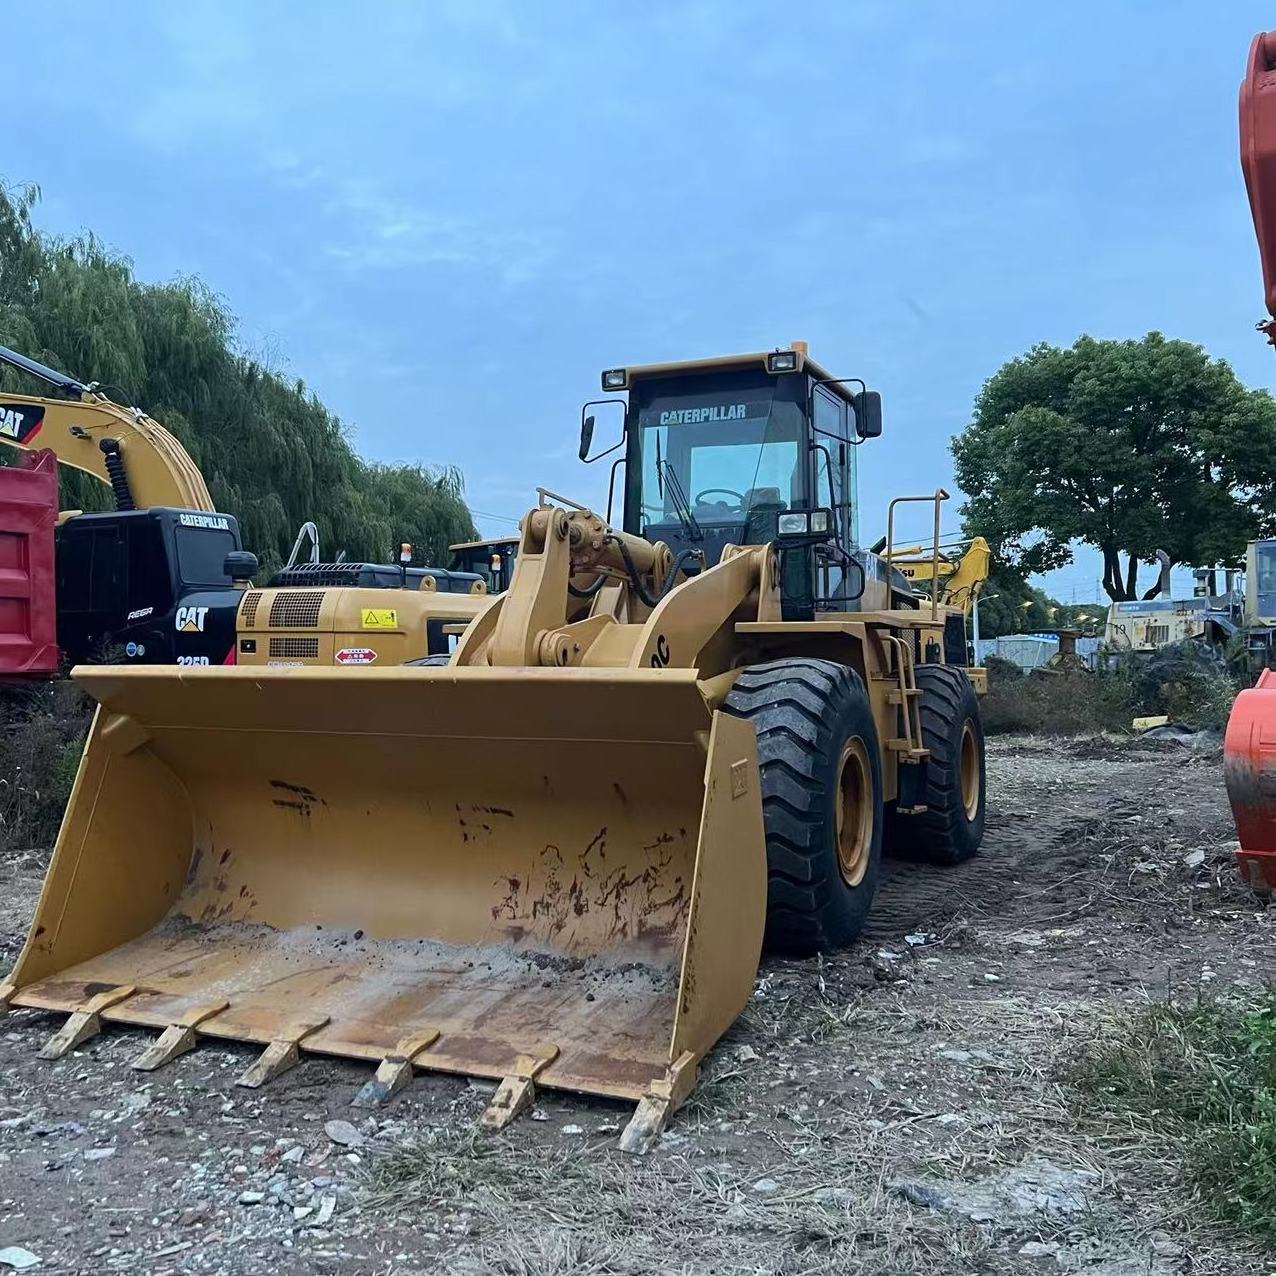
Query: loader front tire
[[952, 827], [821, 779]]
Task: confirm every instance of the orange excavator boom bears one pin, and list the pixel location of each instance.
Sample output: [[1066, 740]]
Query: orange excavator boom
[[1249, 747], [1258, 160]]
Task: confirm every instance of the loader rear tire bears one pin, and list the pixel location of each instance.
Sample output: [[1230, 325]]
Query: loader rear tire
[[441, 659], [821, 780], [952, 827]]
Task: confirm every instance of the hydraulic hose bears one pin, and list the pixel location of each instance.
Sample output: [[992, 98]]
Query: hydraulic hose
[[589, 591], [635, 579]]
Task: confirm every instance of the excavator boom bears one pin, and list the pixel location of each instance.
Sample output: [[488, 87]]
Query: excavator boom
[[74, 423], [1258, 160], [1249, 745], [961, 579]]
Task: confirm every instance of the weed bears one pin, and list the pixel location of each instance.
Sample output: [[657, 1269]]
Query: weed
[[1184, 683], [42, 732], [1201, 1079], [1059, 704]]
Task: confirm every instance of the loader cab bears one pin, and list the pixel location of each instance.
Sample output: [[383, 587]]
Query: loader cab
[[1260, 583], [748, 450], [138, 582], [491, 560]]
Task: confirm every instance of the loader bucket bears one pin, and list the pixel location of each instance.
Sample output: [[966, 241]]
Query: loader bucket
[[1249, 767], [465, 869]]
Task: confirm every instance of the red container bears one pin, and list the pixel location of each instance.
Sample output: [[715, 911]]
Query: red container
[[28, 583], [1249, 767]]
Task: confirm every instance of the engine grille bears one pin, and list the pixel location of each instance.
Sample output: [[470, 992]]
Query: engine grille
[[296, 609], [294, 648], [248, 608]]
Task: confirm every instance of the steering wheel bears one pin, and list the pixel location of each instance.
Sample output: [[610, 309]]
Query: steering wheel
[[726, 491]]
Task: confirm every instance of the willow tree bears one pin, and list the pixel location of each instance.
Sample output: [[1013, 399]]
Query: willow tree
[[272, 454]]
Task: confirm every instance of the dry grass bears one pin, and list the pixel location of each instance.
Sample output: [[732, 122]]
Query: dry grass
[[841, 1195], [592, 1210]]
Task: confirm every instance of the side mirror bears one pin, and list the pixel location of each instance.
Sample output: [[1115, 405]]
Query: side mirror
[[868, 414], [612, 408], [240, 565]]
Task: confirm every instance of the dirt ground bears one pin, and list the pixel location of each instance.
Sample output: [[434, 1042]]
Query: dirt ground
[[896, 1109]]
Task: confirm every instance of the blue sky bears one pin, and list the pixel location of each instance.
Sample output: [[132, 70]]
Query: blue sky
[[447, 217]]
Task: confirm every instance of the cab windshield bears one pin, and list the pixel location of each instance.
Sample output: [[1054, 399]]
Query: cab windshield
[[201, 554], [720, 457], [1266, 585]]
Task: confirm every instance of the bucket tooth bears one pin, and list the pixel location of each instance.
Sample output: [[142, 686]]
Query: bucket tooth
[[664, 1095], [395, 1070], [84, 1023], [282, 1053], [515, 1093], [177, 1038], [6, 995]]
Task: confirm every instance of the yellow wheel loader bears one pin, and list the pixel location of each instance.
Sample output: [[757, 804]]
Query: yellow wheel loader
[[553, 861]]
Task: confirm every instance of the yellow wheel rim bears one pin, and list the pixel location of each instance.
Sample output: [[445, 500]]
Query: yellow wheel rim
[[969, 770], [854, 812]]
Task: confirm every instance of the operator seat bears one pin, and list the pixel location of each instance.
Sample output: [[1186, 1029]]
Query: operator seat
[[763, 506]]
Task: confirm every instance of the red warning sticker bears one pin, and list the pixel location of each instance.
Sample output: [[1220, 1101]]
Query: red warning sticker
[[356, 656]]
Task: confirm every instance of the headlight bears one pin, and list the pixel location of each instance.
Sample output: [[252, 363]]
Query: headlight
[[782, 361], [792, 524], [615, 379], [820, 521]]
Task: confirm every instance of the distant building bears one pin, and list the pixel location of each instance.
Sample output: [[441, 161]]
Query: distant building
[[1031, 651]]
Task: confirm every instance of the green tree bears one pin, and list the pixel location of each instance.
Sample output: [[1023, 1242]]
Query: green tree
[[1128, 446], [271, 452], [1010, 605]]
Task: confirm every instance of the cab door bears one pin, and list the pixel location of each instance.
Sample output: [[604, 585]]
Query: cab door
[[832, 456]]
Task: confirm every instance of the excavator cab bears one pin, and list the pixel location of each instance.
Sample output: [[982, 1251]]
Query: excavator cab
[[491, 560], [152, 584]]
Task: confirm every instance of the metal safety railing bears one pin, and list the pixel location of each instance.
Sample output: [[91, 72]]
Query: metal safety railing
[[938, 497]]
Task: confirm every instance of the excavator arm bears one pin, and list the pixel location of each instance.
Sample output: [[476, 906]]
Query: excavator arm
[[1258, 160], [142, 462], [962, 578]]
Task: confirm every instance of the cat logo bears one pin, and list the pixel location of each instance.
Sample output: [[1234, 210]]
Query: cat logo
[[20, 423], [217, 522], [190, 620]]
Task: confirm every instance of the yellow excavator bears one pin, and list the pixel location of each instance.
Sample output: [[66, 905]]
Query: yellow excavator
[[552, 861], [961, 567], [161, 578]]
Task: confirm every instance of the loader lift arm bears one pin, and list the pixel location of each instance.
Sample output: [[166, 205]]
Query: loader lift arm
[[540, 621]]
